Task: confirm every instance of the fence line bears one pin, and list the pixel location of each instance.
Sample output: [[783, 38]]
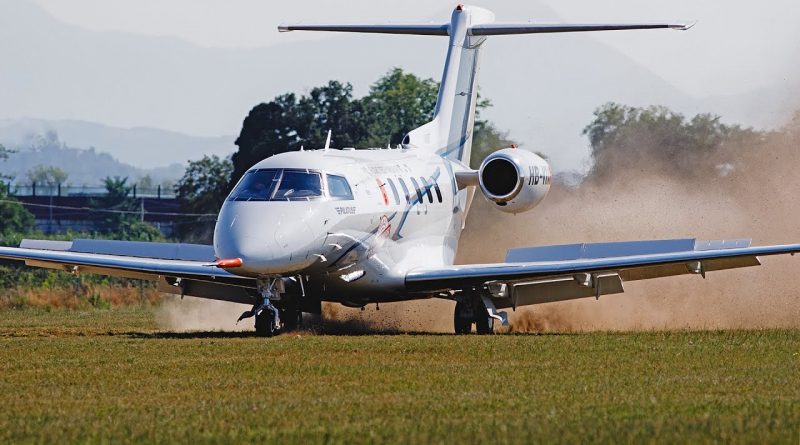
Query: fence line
[[39, 189]]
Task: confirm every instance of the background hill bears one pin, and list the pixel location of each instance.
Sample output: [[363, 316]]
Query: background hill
[[141, 147], [83, 166]]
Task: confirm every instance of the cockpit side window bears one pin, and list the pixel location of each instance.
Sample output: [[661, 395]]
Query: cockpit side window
[[256, 185], [298, 185], [338, 188]]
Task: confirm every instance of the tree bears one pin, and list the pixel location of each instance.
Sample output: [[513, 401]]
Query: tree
[[49, 177], [330, 107], [14, 218], [396, 104], [119, 213], [621, 137], [486, 140], [202, 190], [269, 129], [114, 205], [145, 183]]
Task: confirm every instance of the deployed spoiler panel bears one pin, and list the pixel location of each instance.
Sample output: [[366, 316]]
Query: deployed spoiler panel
[[566, 252]]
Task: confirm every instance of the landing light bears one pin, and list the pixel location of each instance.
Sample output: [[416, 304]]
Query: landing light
[[352, 276]]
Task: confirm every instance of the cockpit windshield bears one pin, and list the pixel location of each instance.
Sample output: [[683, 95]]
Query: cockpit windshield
[[300, 185], [284, 185], [256, 185]]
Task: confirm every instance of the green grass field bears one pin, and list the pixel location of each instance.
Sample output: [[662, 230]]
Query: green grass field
[[111, 376]]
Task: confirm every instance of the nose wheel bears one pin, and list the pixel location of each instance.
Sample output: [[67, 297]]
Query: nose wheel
[[267, 322], [268, 317]]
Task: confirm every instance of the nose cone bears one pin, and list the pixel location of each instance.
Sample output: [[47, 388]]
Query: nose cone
[[266, 236]]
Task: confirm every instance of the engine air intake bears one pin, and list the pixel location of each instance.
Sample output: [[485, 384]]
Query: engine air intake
[[500, 177]]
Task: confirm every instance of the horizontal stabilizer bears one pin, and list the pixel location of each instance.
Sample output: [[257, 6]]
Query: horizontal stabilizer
[[424, 29], [488, 29], [496, 29]]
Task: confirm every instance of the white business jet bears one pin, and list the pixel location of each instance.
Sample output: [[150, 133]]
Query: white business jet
[[383, 225]]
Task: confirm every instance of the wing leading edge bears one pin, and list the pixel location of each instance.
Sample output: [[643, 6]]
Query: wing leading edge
[[546, 275], [178, 268]]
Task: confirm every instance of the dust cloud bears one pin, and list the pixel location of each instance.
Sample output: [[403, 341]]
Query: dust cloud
[[733, 192], [195, 314]]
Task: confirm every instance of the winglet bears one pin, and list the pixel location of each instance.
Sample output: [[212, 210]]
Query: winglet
[[685, 26]]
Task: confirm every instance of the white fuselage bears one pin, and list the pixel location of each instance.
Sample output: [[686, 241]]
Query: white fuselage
[[361, 246]]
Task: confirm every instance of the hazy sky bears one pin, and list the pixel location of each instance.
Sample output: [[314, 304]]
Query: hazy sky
[[740, 44], [741, 61]]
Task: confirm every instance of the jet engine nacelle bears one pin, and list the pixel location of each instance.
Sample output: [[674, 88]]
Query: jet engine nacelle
[[514, 180]]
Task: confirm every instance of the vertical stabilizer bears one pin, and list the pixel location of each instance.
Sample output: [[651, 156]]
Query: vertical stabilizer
[[450, 131]]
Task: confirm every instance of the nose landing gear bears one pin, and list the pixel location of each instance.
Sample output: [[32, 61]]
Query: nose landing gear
[[278, 310], [268, 319]]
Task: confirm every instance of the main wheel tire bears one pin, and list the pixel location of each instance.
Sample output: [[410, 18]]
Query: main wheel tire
[[265, 326], [483, 323], [461, 318], [291, 317]]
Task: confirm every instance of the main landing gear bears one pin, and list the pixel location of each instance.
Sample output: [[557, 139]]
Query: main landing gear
[[471, 309]]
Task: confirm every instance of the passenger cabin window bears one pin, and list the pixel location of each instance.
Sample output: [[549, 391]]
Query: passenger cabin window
[[405, 190], [394, 191], [419, 193], [438, 192], [427, 189], [338, 187]]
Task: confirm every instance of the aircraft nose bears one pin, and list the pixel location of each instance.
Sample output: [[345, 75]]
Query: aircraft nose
[[239, 233], [269, 239]]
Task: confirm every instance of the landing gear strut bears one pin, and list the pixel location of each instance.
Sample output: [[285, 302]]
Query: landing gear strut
[[268, 319], [471, 310]]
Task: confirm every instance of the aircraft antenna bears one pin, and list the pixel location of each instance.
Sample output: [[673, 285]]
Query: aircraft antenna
[[328, 141]]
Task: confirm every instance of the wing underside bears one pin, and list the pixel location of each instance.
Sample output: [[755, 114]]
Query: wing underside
[[556, 273]]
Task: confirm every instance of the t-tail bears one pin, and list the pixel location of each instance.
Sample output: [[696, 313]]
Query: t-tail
[[450, 132]]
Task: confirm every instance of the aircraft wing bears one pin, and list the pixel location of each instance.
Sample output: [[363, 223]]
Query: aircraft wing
[[555, 273], [184, 269]]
